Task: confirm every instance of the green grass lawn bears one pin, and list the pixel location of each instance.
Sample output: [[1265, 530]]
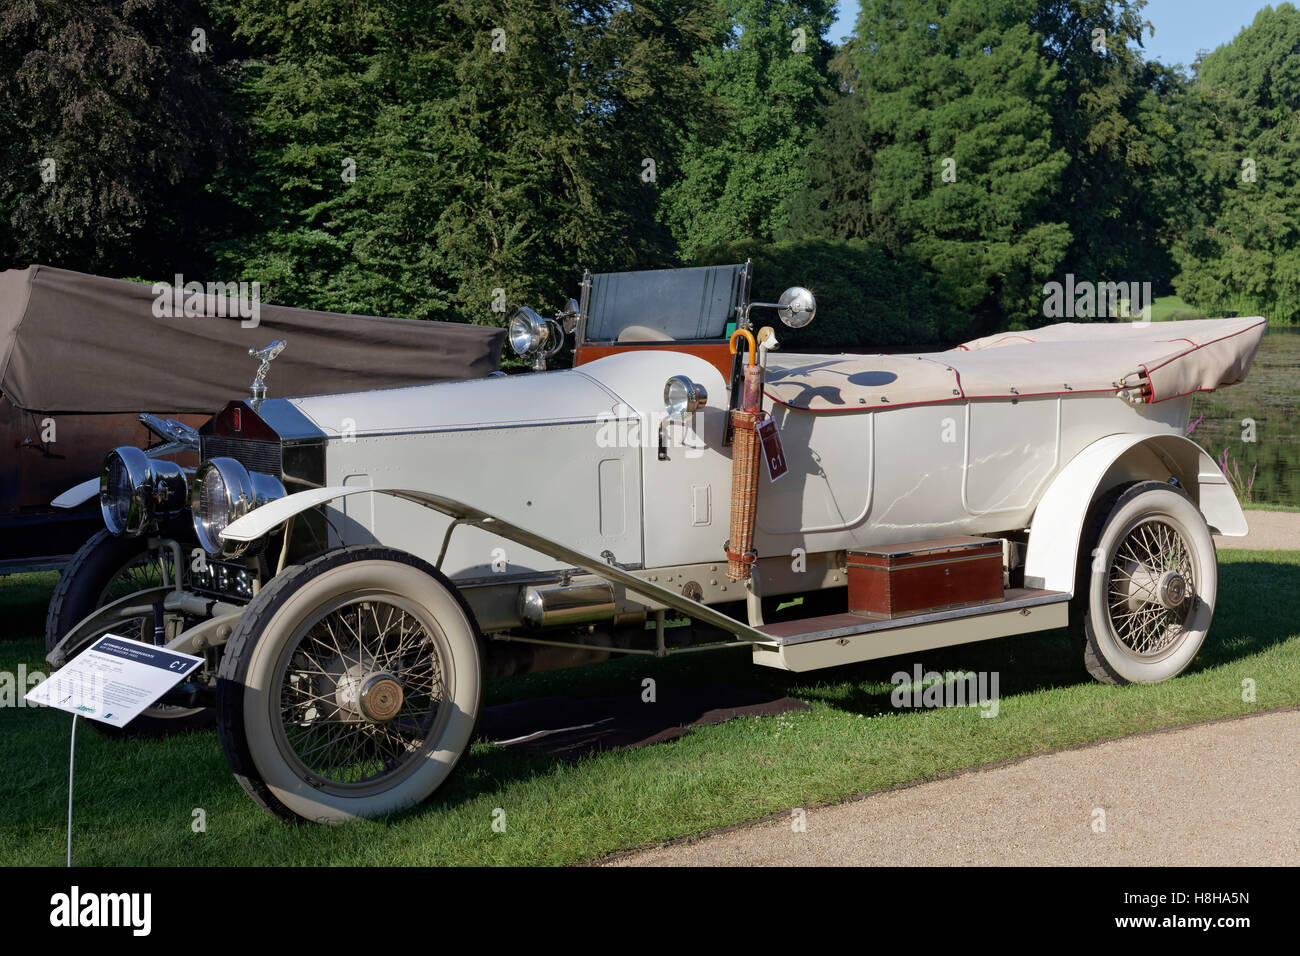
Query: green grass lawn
[[1165, 308], [135, 800]]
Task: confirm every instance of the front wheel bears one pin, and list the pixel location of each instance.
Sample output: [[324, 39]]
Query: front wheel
[[350, 686], [1150, 587], [106, 568]]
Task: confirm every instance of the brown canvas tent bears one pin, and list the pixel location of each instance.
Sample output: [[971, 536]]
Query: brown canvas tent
[[71, 342]]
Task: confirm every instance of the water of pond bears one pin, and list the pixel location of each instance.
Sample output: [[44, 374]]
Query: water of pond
[[1270, 397]]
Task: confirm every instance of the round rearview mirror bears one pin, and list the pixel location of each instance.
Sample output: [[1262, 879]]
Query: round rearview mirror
[[526, 332], [682, 397], [797, 307], [568, 318]]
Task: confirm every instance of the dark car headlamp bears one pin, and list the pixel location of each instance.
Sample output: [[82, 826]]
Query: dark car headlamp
[[136, 491]]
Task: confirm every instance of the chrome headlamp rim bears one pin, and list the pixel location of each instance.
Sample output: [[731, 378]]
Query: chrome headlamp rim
[[683, 397], [156, 489], [241, 492], [135, 465], [526, 331]]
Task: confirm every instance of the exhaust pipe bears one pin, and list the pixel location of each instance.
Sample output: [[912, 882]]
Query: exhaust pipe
[[561, 605], [566, 605]]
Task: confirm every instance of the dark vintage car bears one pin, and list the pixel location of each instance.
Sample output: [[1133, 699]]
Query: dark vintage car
[[88, 364], [45, 454]]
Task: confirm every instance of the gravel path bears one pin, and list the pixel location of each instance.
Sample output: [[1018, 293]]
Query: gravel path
[[1213, 794], [1269, 531]]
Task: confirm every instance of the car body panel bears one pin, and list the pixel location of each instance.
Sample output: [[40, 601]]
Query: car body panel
[[913, 472], [496, 402], [932, 470], [470, 466], [258, 522]]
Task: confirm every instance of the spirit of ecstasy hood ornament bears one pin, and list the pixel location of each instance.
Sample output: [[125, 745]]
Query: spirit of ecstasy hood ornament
[[265, 356]]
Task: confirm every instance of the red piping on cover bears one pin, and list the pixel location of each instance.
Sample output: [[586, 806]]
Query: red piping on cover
[[1174, 358], [1151, 399], [940, 401]]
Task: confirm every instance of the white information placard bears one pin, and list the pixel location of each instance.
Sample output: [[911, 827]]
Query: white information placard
[[114, 679]]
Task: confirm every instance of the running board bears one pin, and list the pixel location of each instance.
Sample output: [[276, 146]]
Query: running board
[[835, 639]]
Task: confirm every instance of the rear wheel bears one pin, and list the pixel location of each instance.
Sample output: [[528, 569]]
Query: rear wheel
[[106, 568], [350, 686], [1151, 580]]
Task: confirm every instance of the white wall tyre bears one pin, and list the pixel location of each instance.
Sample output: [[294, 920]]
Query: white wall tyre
[[1150, 580], [350, 687]]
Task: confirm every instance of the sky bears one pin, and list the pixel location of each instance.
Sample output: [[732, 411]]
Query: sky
[[1183, 27]]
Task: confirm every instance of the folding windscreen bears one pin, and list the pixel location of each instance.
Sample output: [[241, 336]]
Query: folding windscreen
[[677, 304]]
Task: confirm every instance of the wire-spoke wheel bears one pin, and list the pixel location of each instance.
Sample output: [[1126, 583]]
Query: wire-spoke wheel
[[1150, 594], [350, 686], [360, 691]]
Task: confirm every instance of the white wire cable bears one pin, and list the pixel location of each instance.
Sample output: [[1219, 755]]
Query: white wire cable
[[72, 753]]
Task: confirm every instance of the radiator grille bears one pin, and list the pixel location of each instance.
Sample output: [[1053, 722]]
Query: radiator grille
[[263, 456]]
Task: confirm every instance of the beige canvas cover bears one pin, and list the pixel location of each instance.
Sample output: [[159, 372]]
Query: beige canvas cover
[[1166, 359], [71, 342]]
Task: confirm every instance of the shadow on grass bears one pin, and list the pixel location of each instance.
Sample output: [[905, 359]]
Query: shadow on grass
[[1258, 607], [1243, 625], [23, 602]]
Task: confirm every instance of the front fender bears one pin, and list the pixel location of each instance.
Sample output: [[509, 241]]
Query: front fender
[[1119, 459], [262, 521], [77, 495]]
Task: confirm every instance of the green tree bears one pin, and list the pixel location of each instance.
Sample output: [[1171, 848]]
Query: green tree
[[1111, 114], [1241, 251], [111, 121], [948, 104], [414, 158], [833, 197], [736, 179], [866, 298]]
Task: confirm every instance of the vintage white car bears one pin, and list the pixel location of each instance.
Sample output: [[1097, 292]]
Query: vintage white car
[[352, 554]]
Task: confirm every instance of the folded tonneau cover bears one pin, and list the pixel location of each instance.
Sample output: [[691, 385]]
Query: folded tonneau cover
[[71, 342], [1157, 360]]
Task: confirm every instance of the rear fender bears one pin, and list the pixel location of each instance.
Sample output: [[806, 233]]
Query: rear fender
[[1054, 534]]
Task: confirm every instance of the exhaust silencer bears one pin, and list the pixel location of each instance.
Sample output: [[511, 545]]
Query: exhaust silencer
[[560, 605]]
